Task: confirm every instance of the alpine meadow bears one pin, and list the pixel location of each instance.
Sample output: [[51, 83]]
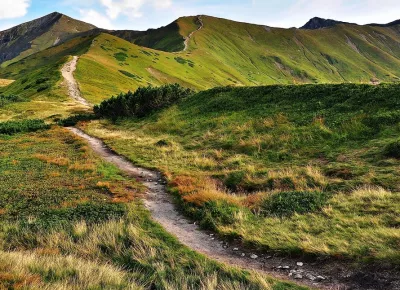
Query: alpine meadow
[[205, 154]]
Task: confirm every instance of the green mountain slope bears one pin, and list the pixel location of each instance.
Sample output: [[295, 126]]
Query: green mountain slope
[[221, 52], [34, 36], [224, 52]]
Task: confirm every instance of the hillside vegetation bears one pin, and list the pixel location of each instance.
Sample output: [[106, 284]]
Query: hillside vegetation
[[221, 53], [68, 220], [307, 169]]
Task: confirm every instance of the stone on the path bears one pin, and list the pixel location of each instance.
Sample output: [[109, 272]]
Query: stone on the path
[[286, 267], [298, 276], [320, 278], [300, 264], [236, 249], [243, 254], [311, 277], [253, 256]]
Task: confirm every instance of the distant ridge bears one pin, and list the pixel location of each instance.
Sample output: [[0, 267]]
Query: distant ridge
[[39, 34], [393, 23], [318, 23]]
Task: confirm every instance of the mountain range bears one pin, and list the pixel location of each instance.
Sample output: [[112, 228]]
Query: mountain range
[[202, 52]]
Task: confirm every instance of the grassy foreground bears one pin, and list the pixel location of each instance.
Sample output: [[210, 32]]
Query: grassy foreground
[[70, 221], [296, 169]]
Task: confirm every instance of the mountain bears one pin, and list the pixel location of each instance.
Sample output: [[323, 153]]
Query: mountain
[[203, 52], [318, 23], [393, 23], [31, 37]]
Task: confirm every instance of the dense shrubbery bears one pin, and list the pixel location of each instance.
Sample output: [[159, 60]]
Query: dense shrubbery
[[75, 119], [142, 102], [4, 100], [288, 203], [13, 127], [393, 150]]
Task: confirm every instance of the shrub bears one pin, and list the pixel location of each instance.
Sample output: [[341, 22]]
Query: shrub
[[217, 212], [120, 56], [13, 127], [288, 203], [75, 119], [392, 150], [4, 100], [141, 103]]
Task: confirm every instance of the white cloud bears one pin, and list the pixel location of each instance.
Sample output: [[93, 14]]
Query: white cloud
[[132, 8], [93, 17], [14, 8]]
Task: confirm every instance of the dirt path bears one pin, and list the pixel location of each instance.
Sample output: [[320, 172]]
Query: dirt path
[[187, 39], [322, 274], [73, 87]]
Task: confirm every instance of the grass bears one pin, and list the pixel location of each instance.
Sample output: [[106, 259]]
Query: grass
[[4, 83], [69, 220], [230, 152]]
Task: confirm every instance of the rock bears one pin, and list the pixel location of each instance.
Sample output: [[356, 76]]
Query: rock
[[254, 256], [320, 278], [300, 264], [286, 267], [243, 254], [268, 257], [311, 277], [298, 276], [236, 249]]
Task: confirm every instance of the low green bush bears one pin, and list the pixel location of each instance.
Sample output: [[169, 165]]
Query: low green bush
[[5, 100], [392, 150], [75, 119], [142, 102], [13, 127], [288, 203], [216, 213]]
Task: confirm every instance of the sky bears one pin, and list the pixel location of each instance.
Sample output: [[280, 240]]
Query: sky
[[144, 14]]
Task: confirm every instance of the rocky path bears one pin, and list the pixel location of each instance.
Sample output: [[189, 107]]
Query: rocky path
[[187, 39], [321, 274], [73, 88]]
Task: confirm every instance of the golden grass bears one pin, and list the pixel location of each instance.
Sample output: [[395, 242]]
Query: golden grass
[[371, 193], [82, 167], [4, 82], [60, 161], [72, 272]]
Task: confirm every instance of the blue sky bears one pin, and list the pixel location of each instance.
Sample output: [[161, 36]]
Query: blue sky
[[143, 14]]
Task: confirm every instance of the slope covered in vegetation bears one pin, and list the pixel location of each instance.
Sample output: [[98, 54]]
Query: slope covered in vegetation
[[299, 169], [74, 222]]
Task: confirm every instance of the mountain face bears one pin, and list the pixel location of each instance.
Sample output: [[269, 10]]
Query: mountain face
[[318, 23], [209, 52], [28, 38]]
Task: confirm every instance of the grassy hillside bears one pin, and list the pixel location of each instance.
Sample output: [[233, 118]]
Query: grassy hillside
[[39, 83], [74, 222], [225, 52], [231, 53], [244, 160], [28, 38]]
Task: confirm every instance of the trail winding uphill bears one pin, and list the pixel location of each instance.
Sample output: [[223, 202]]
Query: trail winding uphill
[[316, 273], [188, 38], [73, 88]]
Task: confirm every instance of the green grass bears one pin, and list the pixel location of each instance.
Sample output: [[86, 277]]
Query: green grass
[[231, 152], [70, 220]]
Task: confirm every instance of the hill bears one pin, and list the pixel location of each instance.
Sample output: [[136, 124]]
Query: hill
[[318, 23], [220, 52], [307, 170], [23, 40], [224, 52]]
